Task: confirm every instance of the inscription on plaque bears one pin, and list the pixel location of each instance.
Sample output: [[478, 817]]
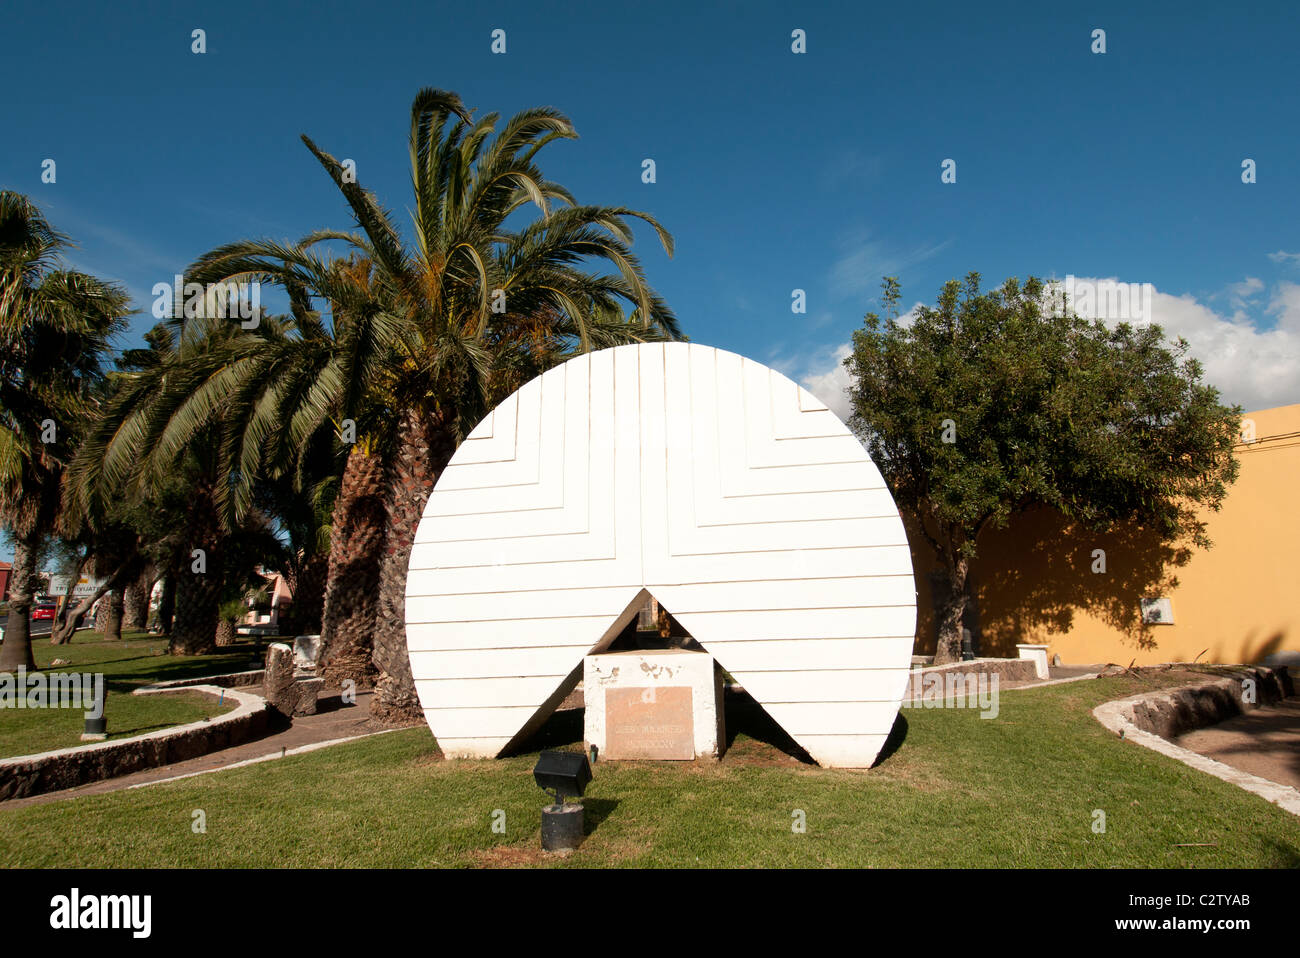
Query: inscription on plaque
[[649, 723]]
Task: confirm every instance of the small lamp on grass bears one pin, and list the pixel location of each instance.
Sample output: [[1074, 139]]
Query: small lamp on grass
[[564, 774], [96, 728]]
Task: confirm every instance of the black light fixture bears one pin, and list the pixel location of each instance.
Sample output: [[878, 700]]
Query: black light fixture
[[96, 729], [565, 775]]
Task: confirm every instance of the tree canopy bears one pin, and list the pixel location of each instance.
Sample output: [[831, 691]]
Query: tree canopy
[[989, 403]]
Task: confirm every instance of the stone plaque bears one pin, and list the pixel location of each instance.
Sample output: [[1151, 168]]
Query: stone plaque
[[649, 723]]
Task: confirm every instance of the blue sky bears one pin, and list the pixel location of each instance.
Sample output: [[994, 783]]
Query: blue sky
[[775, 171]]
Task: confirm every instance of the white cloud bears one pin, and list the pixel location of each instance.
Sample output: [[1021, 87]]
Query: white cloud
[[1285, 305], [1240, 294], [1252, 364], [1282, 256]]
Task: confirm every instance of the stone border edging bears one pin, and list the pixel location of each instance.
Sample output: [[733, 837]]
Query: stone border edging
[[1171, 709], [26, 775], [1010, 670], [227, 680]]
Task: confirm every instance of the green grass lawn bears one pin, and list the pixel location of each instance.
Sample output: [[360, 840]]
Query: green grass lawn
[[958, 792], [138, 659]]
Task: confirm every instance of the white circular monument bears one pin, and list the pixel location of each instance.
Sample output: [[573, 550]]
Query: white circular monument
[[688, 473]]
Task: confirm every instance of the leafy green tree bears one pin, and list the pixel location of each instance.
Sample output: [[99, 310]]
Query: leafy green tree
[[55, 329], [987, 404]]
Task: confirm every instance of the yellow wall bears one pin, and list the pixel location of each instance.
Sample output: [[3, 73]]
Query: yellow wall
[[1236, 602]]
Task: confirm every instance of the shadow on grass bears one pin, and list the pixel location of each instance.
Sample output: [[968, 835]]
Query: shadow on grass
[[1288, 853], [744, 716], [596, 811]]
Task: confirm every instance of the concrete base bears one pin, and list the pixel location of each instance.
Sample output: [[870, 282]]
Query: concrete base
[[309, 689], [1036, 654], [306, 649], [562, 827], [654, 704]]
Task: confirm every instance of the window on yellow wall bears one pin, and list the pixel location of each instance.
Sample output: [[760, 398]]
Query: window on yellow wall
[[1157, 611]]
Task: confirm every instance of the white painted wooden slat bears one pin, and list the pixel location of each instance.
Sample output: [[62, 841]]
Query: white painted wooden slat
[[842, 750], [519, 470], [743, 657], [488, 692], [794, 534], [811, 718], [857, 592], [498, 720], [767, 625], [717, 485], [780, 564], [506, 633], [840, 685], [796, 507], [800, 417], [512, 575], [496, 663], [493, 439], [481, 747]]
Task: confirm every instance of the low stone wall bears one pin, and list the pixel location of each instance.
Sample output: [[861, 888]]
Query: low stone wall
[[1152, 718], [1171, 712], [231, 680], [1007, 670], [67, 768]]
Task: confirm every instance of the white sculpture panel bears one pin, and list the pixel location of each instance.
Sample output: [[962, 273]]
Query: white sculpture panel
[[710, 481]]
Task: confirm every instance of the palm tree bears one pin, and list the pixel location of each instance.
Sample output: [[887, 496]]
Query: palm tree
[[130, 454], [55, 327], [433, 331]]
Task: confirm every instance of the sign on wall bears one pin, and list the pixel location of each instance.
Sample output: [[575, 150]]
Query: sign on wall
[[709, 481]]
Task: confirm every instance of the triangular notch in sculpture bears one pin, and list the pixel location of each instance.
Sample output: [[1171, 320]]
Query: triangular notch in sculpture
[[652, 627], [643, 624]]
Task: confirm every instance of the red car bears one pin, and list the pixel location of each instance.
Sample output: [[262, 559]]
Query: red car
[[43, 609]]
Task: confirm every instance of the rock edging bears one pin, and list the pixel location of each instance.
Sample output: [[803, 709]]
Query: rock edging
[[1148, 717], [26, 775]]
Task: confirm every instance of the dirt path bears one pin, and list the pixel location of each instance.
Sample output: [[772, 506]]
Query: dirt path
[[334, 721], [1263, 742]]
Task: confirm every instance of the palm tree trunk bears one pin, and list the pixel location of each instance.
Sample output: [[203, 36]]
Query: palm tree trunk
[[423, 451], [358, 533], [225, 632], [16, 651], [198, 591], [135, 610], [114, 604], [101, 614]]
